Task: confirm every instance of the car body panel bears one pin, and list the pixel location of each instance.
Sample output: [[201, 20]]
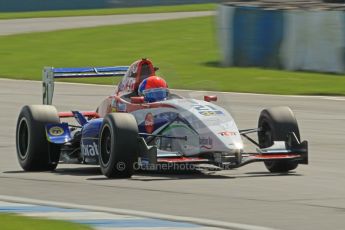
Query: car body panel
[[180, 129]]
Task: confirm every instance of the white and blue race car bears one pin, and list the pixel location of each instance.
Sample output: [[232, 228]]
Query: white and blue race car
[[125, 133]]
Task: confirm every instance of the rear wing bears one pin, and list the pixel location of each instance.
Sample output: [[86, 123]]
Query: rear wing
[[50, 73]]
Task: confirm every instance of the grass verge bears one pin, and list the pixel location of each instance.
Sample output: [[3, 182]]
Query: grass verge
[[185, 50], [15, 222], [109, 11]]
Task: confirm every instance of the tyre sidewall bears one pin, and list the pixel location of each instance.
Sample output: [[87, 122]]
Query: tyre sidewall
[[39, 150], [280, 121], [124, 131]]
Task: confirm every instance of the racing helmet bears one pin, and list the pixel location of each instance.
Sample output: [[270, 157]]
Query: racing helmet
[[153, 89]]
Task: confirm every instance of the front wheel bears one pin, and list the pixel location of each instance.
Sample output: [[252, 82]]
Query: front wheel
[[34, 152], [276, 124], [118, 145]]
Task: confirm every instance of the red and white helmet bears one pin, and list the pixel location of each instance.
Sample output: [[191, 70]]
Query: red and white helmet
[[154, 89]]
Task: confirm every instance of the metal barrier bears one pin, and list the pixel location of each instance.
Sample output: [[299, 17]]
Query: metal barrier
[[310, 39]]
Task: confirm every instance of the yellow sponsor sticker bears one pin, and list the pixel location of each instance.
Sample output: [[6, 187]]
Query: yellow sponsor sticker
[[56, 131], [208, 113]]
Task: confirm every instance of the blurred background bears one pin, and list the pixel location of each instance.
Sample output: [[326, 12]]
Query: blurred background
[[279, 47]]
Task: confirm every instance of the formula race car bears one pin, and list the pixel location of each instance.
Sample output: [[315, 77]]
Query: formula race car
[[128, 131]]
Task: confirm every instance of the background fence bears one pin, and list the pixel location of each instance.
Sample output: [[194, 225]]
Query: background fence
[[311, 40]]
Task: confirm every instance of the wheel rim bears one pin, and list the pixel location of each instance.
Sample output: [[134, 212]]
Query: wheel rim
[[23, 138], [105, 145], [266, 138]]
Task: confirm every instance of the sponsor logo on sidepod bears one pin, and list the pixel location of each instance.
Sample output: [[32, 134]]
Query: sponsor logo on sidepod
[[90, 150]]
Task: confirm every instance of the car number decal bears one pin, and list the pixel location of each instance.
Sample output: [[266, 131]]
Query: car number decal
[[207, 110]]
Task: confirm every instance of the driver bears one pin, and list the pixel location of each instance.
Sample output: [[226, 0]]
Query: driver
[[153, 89]]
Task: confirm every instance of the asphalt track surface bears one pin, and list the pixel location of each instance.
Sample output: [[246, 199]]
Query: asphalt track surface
[[17, 26], [312, 197]]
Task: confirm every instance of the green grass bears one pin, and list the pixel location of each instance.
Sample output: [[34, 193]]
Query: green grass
[[109, 11], [185, 50], [14, 222]]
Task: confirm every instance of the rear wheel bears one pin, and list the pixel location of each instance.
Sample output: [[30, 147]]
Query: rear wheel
[[118, 145], [34, 152], [276, 124]]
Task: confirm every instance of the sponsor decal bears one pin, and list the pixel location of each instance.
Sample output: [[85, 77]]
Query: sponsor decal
[[206, 142], [132, 85], [207, 110], [120, 87], [56, 131], [149, 123], [89, 150], [211, 113], [121, 107], [208, 113], [113, 105], [227, 133], [126, 85]]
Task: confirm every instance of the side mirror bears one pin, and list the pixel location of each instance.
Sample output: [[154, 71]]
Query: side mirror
[[137, 100], [210, 98]]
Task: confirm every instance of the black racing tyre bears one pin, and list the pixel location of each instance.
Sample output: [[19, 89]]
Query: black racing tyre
[[118, 145], [276, 123], [34, 152]]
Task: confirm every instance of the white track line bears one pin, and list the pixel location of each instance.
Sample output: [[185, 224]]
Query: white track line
[[204, 222], [334, 98]]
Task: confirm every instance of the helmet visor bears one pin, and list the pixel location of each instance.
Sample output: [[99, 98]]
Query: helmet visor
[[158, 94]]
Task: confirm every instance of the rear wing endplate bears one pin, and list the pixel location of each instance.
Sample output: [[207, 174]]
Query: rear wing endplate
[[50, 73]]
